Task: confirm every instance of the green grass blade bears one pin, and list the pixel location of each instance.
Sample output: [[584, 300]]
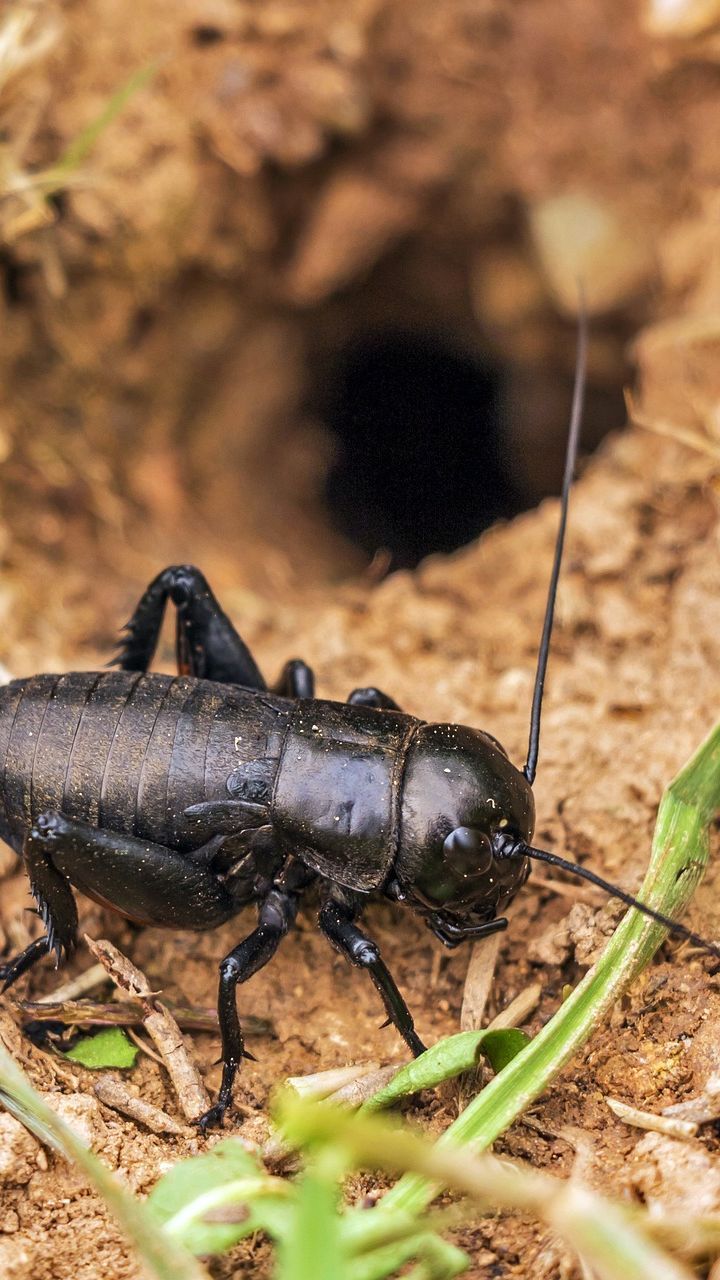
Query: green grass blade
[[313, 1248], [445, 1060], [679, 856], [79, 149], [163, 1259], [440, 1260], [615, 1241], [613, 1245]]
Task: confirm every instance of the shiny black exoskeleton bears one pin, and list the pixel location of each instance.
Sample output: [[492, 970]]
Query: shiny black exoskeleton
[[178, 801]]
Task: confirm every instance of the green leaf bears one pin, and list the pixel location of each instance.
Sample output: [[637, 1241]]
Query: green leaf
[[227, 1182], [228, 1161], [312, 1248], [109, 1048], [449, 1058], [500, 1047]]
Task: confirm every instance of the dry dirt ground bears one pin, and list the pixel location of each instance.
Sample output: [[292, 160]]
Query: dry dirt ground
[[634, 687], [293, 176]]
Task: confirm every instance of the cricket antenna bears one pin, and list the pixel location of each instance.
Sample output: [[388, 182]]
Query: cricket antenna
[[512, 848], [530, 767]]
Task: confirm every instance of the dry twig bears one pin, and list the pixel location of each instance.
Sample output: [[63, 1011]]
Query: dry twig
[[125, 1013], [480, 974], [113, 1093], [669, 1125], [518, 1010], [703, 1109], [160, 1026]]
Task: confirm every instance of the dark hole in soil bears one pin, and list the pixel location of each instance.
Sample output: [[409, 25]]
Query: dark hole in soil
[[421, 461], [12, 276], [206, 34], [434, 443]]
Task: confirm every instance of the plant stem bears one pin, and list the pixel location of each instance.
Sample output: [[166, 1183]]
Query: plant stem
[[163, 1257], [127, 1013], [614, 1240]]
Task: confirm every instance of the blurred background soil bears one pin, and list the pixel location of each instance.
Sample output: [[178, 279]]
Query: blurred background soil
[[304, 314]]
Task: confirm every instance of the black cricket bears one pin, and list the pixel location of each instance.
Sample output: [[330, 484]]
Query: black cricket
[[177, 801]]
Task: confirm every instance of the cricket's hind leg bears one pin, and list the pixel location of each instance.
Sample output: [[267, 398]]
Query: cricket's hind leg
[[146, 882], [56, 907], [207, 644], [22, 963]]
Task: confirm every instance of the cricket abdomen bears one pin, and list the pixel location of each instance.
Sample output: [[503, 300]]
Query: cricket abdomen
[[127, 751]]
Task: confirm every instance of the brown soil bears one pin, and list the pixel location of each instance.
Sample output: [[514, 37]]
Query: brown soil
[[294, 175]]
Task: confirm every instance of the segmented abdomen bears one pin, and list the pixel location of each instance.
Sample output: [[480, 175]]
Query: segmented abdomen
[[126, 751]]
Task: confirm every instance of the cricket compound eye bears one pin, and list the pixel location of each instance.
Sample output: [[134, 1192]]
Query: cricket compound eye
[[468, 851]]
